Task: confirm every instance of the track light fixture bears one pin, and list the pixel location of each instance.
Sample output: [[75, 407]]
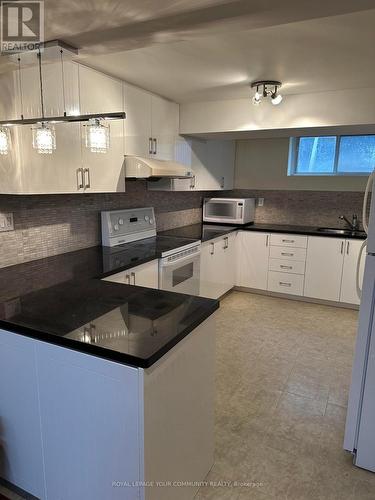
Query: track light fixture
[[267, 88]]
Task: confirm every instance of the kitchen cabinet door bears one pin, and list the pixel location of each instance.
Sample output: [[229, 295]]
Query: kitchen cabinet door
[[51, 173], [252, 259], [220, 163], [348, 283], [57, 99], [137, 105], [324, 265], [229, 261], [164, 127], [105, 172], [9, 102], [99, 93], [146, 275], [211, 259]]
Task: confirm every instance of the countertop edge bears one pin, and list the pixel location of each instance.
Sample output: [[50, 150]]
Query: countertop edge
[[108, 354]]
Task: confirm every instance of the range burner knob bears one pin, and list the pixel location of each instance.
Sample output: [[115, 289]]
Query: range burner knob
[[151, 221], [121, 222], [147, 218], [116, 227]]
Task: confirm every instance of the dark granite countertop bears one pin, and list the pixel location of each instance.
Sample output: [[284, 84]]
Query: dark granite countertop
[[207, 232], [62, 300]]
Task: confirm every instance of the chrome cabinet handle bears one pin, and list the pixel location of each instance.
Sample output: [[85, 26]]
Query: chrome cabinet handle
[[127, 279], [212, 248], [226, 243], [80, 182], [267, 239], [287, 254], [342, 248], [150, 145], [347, 247], [284, 283], [133, 276], [288, 241], [192, 182], [155, 146], [222, 184], [286, 267], [88, 183]]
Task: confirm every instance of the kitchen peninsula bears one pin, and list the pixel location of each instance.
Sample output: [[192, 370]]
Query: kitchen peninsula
[[104, 387]]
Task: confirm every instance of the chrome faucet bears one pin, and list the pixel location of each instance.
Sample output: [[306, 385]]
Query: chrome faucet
[[353, 224]]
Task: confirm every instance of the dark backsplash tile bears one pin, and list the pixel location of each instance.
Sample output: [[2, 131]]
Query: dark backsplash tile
[[47, 225]]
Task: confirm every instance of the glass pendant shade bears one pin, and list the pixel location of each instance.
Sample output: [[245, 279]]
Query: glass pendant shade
[[97, 136], [44, 138], [4, 141]]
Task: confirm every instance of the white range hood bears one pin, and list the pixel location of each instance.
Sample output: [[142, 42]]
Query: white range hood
[[137, 167]]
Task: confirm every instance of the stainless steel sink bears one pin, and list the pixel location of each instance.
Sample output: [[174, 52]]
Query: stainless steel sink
[[343, 232]]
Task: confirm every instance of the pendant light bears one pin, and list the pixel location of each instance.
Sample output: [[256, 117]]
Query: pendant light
[[44, 135], [97, 136], [4, 140]]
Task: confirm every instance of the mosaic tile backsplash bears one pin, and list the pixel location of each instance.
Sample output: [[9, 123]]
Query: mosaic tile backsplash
[[47, 225]]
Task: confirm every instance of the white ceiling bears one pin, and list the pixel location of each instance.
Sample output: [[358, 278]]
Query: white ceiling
[[194, 50], [309, 56]]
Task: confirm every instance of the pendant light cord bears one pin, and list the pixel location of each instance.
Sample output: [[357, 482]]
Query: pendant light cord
[[20, 85], [41, 82], [63, 80]]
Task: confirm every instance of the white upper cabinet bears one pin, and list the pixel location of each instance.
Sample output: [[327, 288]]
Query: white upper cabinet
[[164, 127], [57, 97], [9, 85], [151, 124], [51, 173], [220, 163], [98, 92], [138, 135], [349, 274], [324, 262], [211, 161]]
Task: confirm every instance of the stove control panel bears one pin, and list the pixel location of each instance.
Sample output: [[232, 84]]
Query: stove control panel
[[124, 226]]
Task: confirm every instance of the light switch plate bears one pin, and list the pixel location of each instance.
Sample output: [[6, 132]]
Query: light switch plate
[[6, 222], [260, 202]]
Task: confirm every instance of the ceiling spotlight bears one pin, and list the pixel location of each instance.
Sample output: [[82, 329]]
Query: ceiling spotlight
[[257, 99], [269, 88]]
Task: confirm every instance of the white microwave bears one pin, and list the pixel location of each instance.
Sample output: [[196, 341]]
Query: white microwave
[[229, 210]]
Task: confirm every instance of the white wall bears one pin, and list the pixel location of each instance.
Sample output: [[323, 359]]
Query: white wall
[[321, 109], [263, 164]]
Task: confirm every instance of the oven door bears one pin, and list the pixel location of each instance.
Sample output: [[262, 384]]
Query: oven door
[[182, 275], [223, 211]]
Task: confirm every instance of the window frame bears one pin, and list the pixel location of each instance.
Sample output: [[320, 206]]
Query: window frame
[[293, 158]]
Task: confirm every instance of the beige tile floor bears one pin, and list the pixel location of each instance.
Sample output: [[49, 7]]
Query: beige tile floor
[[283, 373]]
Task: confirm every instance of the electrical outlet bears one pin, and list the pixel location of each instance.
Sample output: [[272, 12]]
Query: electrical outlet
[[260, 202], [6, 222]]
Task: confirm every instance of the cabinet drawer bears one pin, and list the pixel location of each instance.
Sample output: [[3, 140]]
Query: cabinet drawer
[[288, 253], [289, 240], [285, 283], [287, 266]]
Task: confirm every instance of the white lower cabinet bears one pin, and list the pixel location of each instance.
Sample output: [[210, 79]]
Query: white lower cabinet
[[324, 263], [348, 292], [281, 282], [252, 259], [316, 267], [146, 275], [218, 266]]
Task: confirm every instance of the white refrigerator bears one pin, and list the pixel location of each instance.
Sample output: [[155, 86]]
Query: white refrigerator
[[360, 420]]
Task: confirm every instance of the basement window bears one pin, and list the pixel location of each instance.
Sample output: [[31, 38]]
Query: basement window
[[332, 155]]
